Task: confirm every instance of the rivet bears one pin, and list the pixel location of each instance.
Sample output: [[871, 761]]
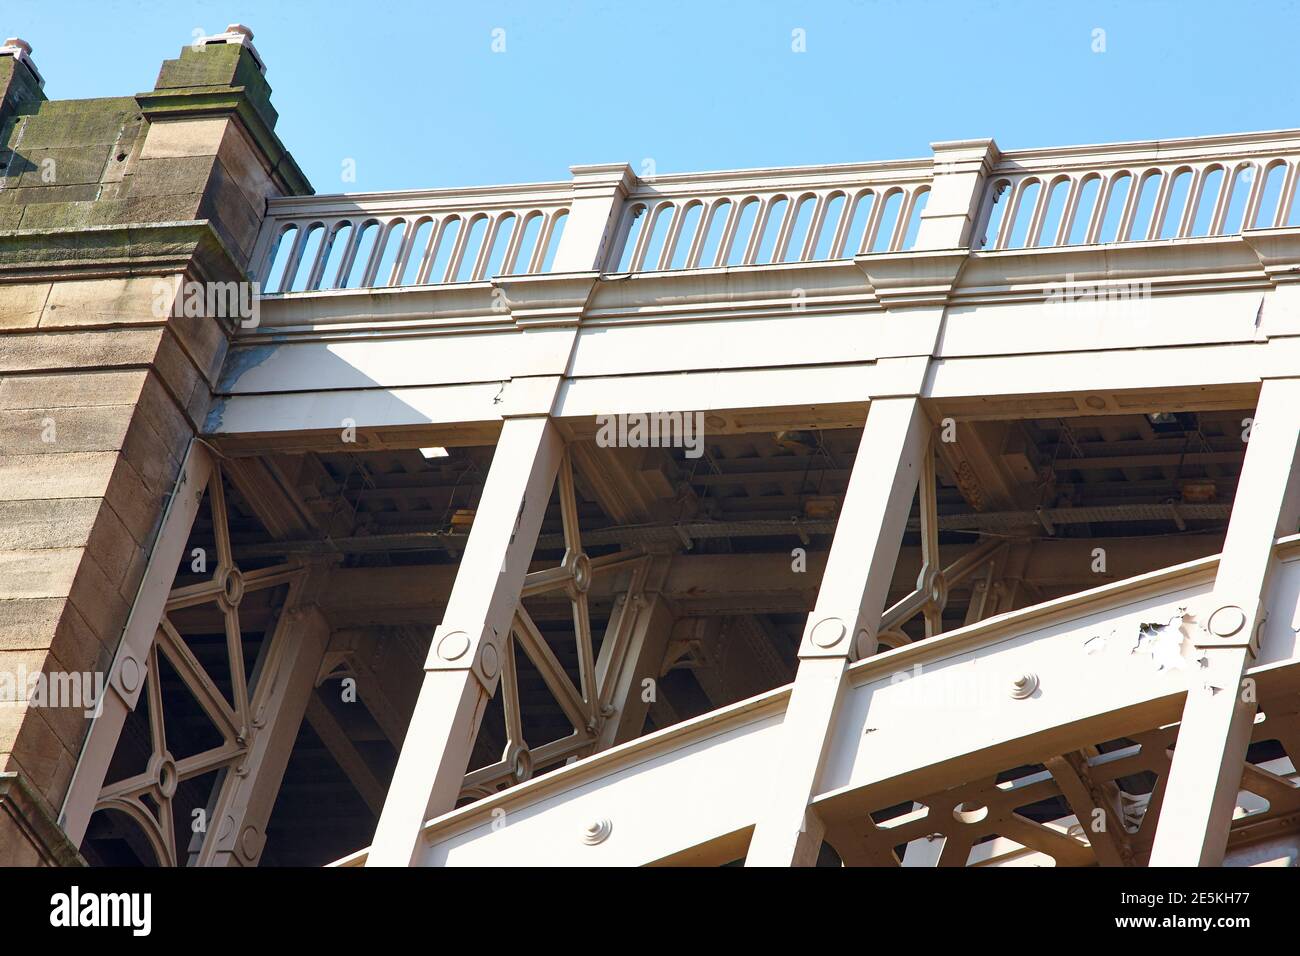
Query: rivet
[[597, 831], [1024, 686]]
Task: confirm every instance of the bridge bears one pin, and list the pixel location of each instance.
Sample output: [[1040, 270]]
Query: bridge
[[986, 553]]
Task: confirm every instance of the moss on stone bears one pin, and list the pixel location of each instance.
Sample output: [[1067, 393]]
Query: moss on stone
[[64, 123], [17, 86], [219, 65]]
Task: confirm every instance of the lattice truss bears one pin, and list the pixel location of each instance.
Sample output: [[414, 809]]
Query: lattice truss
[[236, 714], [1095, 806], [984, 563], [590, 701]]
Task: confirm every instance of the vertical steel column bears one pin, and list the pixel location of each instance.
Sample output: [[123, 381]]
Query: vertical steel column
[[1205, 776], [844, 622], [465, 659]]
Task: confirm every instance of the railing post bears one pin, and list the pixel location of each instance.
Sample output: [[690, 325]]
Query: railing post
[[598, 194], [961, 170]]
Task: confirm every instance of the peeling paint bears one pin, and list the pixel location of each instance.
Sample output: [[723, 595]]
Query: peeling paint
[[1168, 643], [242, 360], [216, 413]]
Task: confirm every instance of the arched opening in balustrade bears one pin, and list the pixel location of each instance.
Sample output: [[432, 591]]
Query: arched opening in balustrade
[[919, 198], [1058, 193], [553, 237], [855, 238], [1240, 186], [279, 259], [1208, 200], [773, 222], [336, 250], [417, 252], [1020, 213], [828, 227], [743, 232], [466, 256], [1289, 205], [715, 228], [300, 280], [803, 220], [1115, 200], [1085, 207], [1144, 225], [659, 224], [503, 233], [636, 216], [363, 248], [531, 230], [998, 196], [684, 234], [444, 244], [1175, 207], [394, 233], [891, 208], [1270, 212]]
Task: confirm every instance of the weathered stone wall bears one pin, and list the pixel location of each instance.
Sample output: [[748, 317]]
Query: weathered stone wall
[[103, 203]]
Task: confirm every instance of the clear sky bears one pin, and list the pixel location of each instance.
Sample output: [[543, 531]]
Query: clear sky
[[416, 95]]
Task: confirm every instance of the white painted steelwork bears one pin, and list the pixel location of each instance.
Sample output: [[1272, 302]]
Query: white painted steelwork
[[795, 299]]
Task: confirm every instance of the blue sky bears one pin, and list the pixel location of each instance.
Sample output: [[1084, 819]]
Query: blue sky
[[415, 95]]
